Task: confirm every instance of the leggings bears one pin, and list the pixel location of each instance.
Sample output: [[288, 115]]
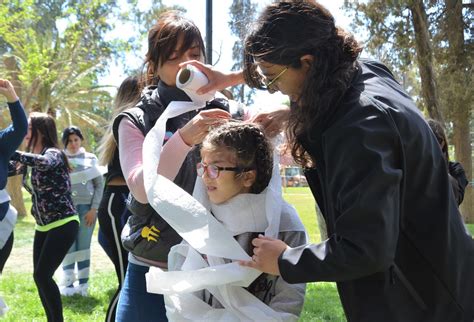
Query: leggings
[[5, 252], [49, 249], [113, 215]]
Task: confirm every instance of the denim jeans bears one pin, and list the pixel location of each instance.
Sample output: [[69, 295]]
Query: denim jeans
[[112, 216], [135, 303], [80, 251]]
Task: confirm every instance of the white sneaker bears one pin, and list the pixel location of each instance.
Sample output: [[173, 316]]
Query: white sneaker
[[68, 291], [82, 289], [67, 277]]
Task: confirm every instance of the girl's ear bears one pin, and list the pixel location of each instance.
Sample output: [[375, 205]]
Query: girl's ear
[[249, 178], [307, 61]]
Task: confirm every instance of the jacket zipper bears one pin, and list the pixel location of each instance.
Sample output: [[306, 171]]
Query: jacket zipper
[[36, 205], [395, 271]]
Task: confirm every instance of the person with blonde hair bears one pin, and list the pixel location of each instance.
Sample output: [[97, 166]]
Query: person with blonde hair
[[113, 213]]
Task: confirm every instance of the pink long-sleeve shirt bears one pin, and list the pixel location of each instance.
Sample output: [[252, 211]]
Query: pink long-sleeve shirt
[[130, 153]]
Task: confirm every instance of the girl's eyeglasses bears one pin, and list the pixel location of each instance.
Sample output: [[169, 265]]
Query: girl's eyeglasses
[[214, 170], [270, 82]]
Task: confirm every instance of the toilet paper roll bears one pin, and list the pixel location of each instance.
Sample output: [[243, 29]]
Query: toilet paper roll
[[190, 79]]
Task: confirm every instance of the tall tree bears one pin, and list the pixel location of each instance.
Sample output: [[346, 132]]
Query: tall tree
[[242, 14], [57, 49], [430, 35]]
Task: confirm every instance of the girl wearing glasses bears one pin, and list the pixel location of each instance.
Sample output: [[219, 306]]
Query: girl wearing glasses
[[374, 168], [236, 168], [148, 238]]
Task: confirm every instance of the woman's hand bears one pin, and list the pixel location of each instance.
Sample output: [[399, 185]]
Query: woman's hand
[[196, 129], [265, 254], [272, 122], [90, 217], [7, 90], [217, 80]]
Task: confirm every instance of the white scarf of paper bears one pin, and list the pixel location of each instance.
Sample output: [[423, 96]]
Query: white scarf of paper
[[204, 235], [91, 168], [4, 196]]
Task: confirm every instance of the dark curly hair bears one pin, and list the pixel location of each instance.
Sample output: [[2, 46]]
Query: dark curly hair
[[288, 30], [250, 145]]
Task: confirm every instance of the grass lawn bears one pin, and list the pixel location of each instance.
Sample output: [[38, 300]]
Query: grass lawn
[[19, 291]]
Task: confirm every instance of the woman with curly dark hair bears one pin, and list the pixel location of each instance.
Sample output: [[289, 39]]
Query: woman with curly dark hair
[[396, 244]]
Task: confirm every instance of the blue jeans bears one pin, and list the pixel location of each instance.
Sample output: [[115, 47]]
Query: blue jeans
[[135, 303], [80, 251]]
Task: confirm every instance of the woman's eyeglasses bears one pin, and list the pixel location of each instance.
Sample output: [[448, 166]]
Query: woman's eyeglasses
[[270, 82], [214, 170]]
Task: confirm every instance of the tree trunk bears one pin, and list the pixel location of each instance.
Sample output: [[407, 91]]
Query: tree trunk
[[463, 152], [14, 184], [425, 59], [461, 97]]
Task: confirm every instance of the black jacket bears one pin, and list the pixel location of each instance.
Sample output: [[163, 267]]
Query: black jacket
[[458, 179], [397, 247]]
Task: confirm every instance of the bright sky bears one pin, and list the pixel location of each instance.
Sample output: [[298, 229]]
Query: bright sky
[[222, 38]]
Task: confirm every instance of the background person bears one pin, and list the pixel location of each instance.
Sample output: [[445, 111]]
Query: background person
[[10, 139], [52, 207], [87, 186], [457, 175], [113, 213]]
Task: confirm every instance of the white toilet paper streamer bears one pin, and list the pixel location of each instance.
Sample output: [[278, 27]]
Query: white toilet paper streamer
[[203, 233]]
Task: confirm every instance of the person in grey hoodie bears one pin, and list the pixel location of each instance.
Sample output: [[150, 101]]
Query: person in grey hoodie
[[87, 187]]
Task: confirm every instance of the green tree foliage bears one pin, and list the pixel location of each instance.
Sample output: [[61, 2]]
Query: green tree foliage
[[242, 13], [427, 43], [62, 47], [55, 52]]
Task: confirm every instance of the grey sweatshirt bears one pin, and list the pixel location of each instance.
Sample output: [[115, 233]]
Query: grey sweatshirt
[[87, 191]]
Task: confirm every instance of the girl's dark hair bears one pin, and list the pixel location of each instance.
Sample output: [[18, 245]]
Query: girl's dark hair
[[163, 38], [251, 147], [285, 32], [438, 131], [43, 124], [70, 131]]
